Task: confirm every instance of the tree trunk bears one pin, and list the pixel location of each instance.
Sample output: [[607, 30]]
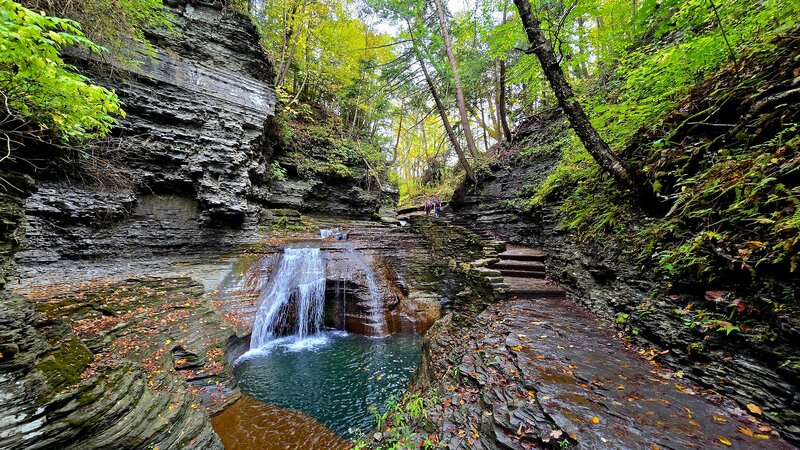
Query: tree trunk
[[591, 139], [399, 131], [462, 158], [501, 102], [462, 106], [288, 61]]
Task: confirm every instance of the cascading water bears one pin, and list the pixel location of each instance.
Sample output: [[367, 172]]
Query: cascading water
[[300, 282], [377, 317]]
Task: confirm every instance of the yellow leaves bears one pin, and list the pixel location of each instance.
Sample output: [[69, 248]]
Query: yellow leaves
[[720, 419], [754, 244], [753, 408], [725, 441], [451, 389], [595, 420], [516, 348], [168, 341], [194, 405], [620, 388], [171, 407]]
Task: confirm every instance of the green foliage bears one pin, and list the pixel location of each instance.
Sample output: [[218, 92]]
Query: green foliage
[[118, 25], [278, 172], [398, 424], [39, 88], [316, 144]]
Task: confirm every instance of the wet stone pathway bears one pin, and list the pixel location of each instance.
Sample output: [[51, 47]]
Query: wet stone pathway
[[544, 373], [540, 371]]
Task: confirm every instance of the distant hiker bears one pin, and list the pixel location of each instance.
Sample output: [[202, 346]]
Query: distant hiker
[[428, 207], [438, 207]]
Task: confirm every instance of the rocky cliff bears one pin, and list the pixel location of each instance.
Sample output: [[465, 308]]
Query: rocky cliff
[[190, 166], [628, 293], [140, 363]]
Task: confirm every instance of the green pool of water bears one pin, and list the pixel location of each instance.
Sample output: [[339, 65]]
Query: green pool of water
[[334, 377]]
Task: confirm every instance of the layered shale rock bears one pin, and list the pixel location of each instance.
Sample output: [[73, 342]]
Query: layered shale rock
[[185, 157], [621, 289]]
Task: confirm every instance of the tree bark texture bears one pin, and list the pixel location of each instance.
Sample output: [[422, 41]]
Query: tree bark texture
[[462, 105], [588, 135]]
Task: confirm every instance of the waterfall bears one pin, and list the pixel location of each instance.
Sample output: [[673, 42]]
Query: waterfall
[[376, 311], [298, 287]]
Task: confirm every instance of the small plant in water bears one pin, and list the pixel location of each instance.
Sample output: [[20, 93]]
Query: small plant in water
[[394, 427]]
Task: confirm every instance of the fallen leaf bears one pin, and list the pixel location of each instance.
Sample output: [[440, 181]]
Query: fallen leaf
[[746, 431], [753, 408], [595, 420], [555, 434], [720, 419], [725, 441]]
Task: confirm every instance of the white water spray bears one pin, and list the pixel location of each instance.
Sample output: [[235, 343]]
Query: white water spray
[[298, 287]]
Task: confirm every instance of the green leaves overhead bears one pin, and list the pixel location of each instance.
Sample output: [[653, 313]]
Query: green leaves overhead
[[39, 87]]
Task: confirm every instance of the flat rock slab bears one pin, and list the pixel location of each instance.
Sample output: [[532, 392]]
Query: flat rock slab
[[546, 374], [519, 252]]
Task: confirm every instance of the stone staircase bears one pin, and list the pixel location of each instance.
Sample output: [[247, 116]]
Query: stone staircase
[[513, 271]]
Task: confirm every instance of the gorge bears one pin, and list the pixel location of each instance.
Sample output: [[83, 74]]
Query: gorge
[[244, 259]]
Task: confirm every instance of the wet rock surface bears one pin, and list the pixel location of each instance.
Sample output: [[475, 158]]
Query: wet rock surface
[[132, 364], [538, 372], [399, 263], [745, 370]]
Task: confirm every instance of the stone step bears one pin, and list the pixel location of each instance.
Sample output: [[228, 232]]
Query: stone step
[[524, 266], [552, 292], [523, 274], [531, 256]]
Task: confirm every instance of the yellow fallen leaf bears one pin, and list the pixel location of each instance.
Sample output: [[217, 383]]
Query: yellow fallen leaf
[[761, 436], [194, 405], [517, 348], [720, 419], [725, 441], [168, 341], [753, 408], [595, 420], [746, 431], [172, 407]]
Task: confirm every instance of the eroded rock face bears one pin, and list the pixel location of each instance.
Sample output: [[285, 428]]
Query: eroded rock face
[[386, 262], [190, 148], [745, 370]]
